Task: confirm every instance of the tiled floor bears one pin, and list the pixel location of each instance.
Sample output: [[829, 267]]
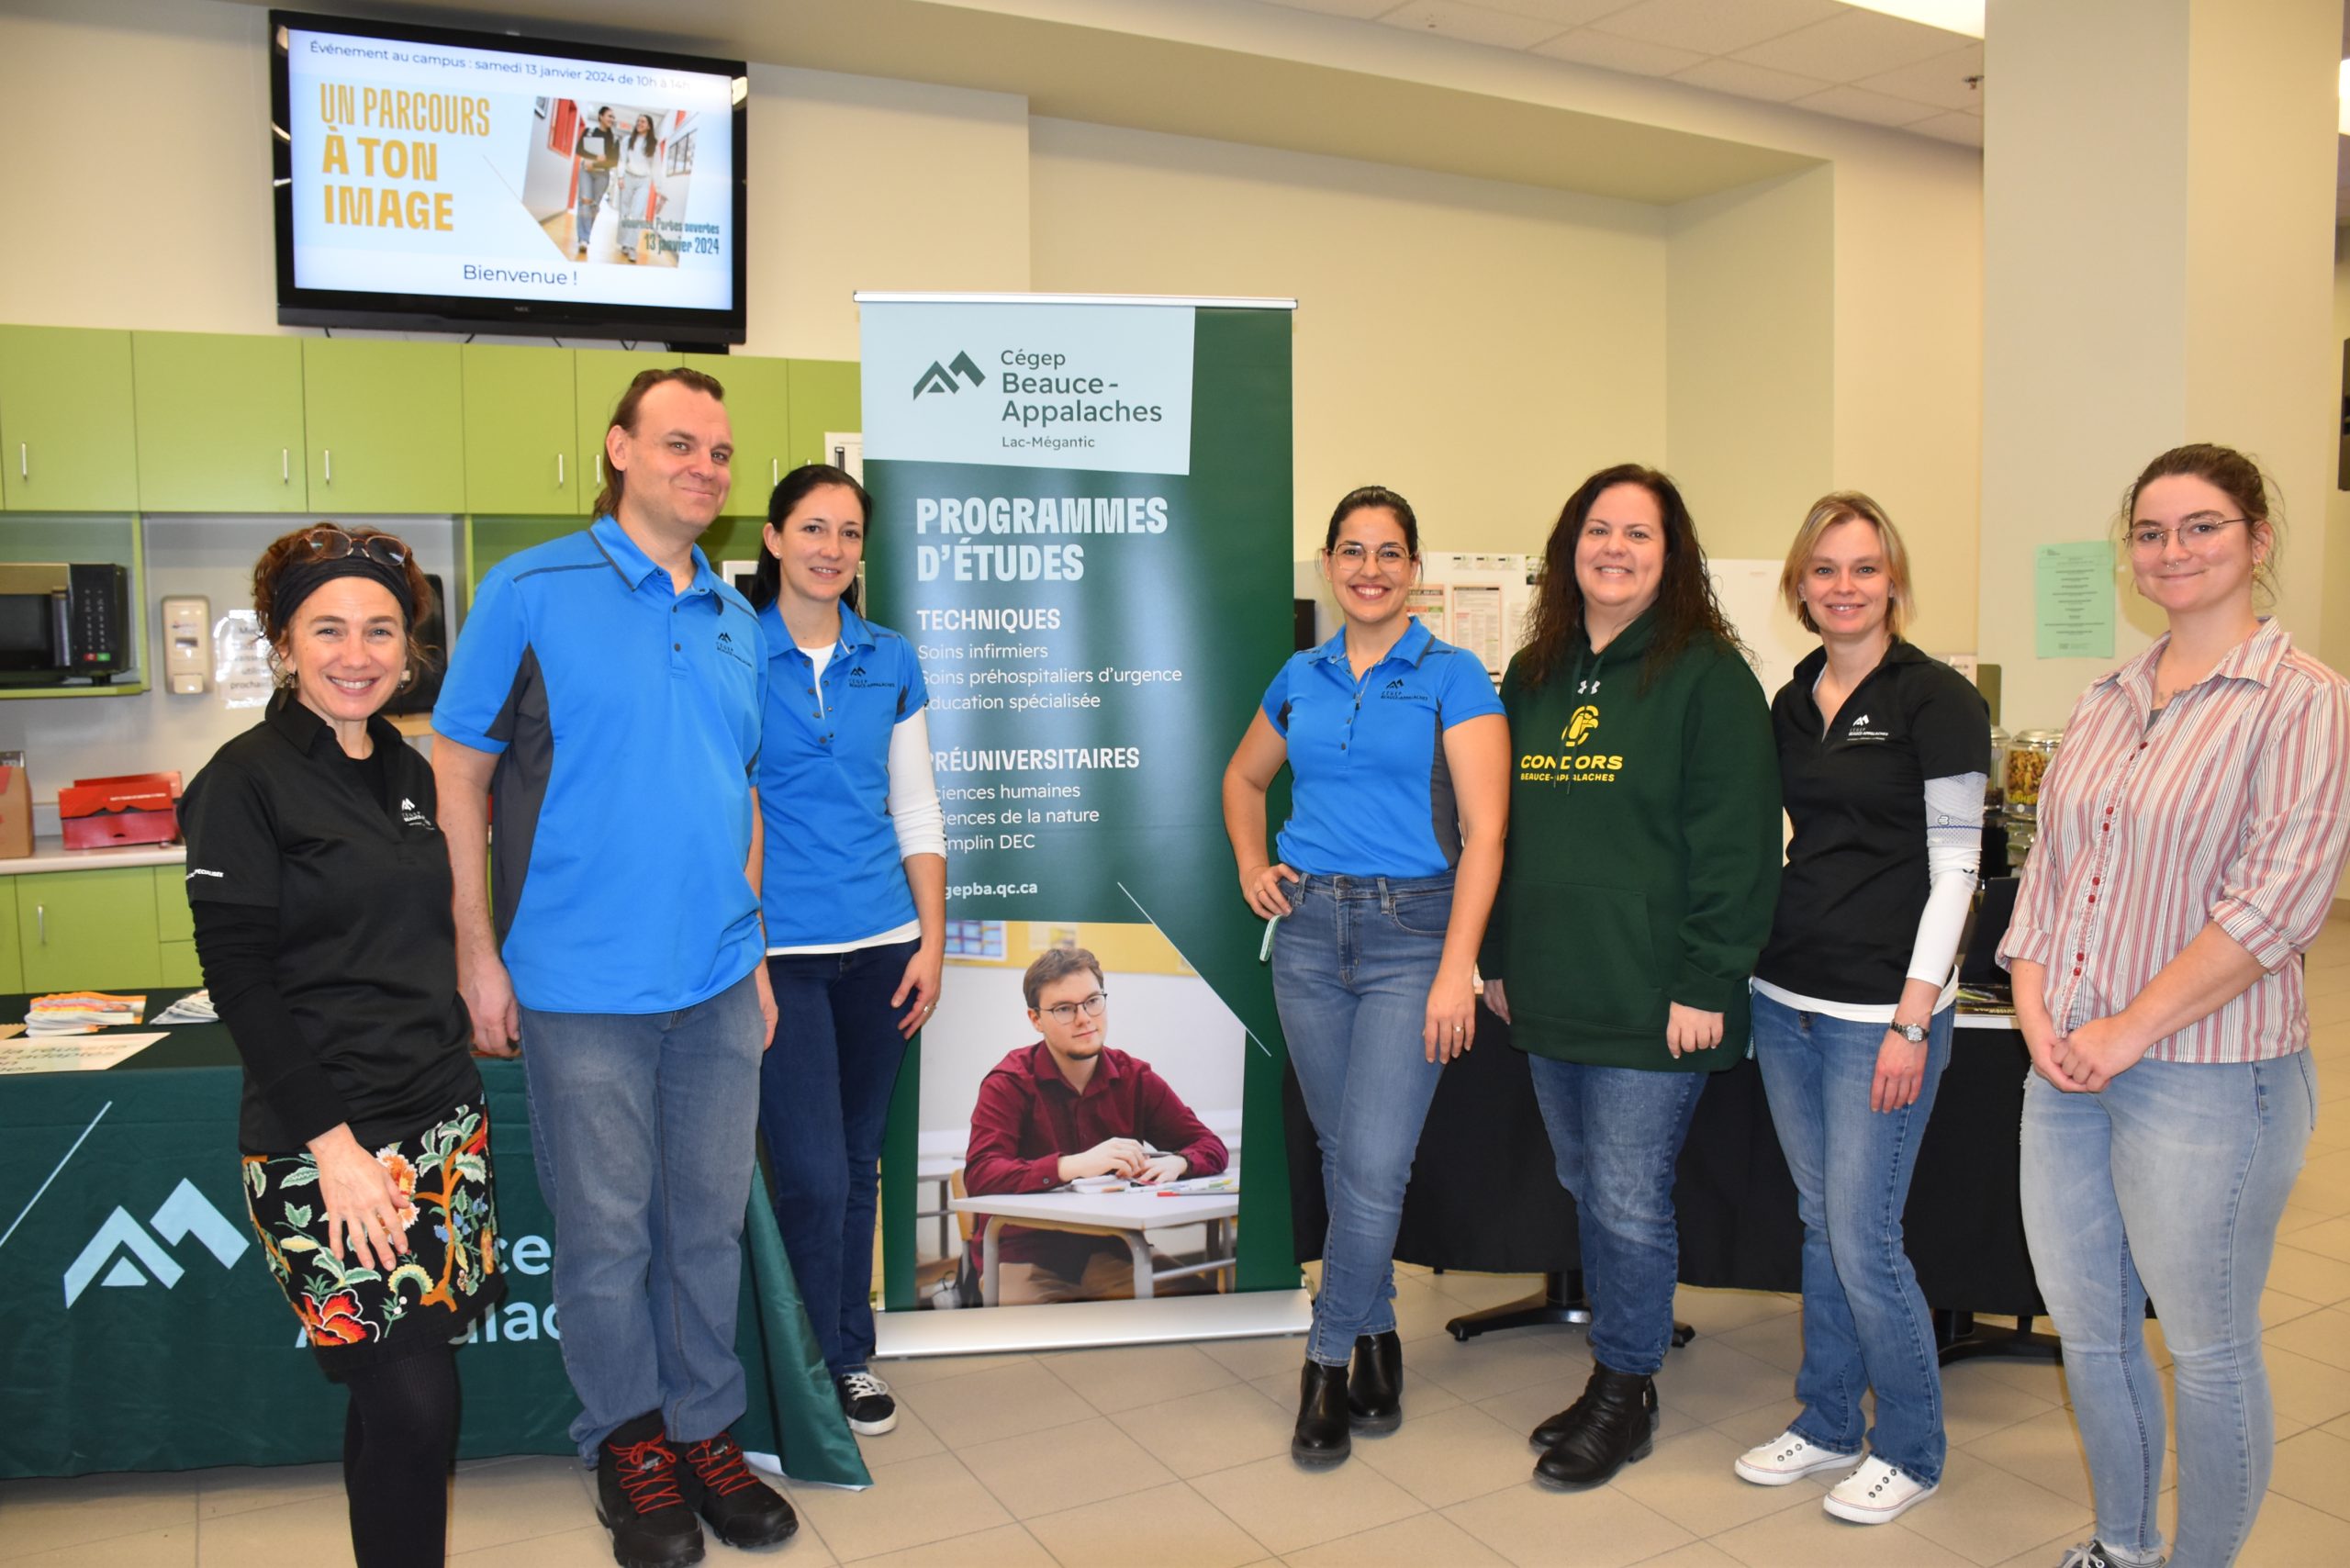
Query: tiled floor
[[1179, 1455]]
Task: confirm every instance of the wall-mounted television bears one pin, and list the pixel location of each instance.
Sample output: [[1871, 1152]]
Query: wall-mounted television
[[434, 180]]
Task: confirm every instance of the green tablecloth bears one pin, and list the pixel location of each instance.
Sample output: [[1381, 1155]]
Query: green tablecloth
[[140, 1330]]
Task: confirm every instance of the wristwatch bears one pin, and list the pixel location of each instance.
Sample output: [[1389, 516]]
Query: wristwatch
[[1913, 1032]]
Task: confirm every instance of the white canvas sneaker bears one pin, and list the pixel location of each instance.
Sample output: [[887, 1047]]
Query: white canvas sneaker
[[1875, 1492], [1787, 1458]]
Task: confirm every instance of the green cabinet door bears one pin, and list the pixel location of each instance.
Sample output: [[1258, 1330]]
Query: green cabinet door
[[758, 409], [174, 922], [385, 426], [88, 930], [66, 421], [599, 376], [824, 397], [12, 957], [219, 422], [522, 432]]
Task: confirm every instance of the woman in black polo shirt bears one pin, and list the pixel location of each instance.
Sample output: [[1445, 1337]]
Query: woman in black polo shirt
[[1882, 758], [320, 888]]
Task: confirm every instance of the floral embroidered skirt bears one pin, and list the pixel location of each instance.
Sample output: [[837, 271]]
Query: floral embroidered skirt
[[357, 1315]]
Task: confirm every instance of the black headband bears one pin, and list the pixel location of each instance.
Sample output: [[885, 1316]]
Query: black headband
[[297, 580]]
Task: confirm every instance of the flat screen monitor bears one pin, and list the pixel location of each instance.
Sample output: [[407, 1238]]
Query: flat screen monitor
[[428, 179]]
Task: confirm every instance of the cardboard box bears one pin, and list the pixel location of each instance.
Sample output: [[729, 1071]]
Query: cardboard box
[[15, 808], [136, 808]]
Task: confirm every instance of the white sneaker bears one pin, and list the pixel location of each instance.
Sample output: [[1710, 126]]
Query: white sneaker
[[1787, 1458], [1875, 1492]]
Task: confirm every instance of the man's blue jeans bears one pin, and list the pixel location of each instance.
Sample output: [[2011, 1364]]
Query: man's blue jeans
[[824, 1103], [1616, 1133], [2170, 1181], [1865, 1322], [592, 182], [1352, 964], [644, 1129]]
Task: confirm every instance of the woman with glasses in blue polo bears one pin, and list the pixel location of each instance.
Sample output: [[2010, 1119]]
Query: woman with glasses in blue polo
[[852, 895], [1399, 770]]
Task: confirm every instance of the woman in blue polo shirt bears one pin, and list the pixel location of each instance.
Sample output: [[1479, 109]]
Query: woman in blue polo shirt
[[1399, 770], [852, 895], [1883, 753]]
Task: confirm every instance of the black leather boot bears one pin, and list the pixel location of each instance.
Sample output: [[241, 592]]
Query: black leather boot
[[1375, 1385], [1546, 1437], [1600, 1433], [1321, 1436]]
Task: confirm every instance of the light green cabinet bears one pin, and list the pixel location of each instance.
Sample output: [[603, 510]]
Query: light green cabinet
[[758, 411], [219, 422], [602, 375], [522, 432], [385, 426], [85, 930], [66, 421], [825, 396], [174, 930], [12, 958]]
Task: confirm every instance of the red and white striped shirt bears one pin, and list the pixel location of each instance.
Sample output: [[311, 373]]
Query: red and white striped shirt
[[2228, 806]]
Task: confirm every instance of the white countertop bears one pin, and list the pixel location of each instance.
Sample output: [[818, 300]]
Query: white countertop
[[51, 854]]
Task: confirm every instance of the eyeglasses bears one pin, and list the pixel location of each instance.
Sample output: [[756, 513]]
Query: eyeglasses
[[328, 543], [2197, 532], [1065, 1013], [1353, 554]]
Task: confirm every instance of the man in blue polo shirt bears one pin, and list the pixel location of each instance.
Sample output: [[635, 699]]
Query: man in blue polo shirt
[[605, 694]]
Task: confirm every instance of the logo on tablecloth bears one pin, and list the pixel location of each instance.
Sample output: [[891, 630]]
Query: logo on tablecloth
[[130, 1244]]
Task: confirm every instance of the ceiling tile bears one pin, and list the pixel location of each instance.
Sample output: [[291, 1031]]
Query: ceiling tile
[[1717, 26], [1855, 44], [1967, 128], [1749, 81], [1365, 9], [1940, 80], [1471, 24], [1585, 47], [1858, 103], [1566, 13]]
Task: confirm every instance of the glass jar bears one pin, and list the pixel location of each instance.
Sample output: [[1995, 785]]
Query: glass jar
[[2028, 756], [1995, 784]]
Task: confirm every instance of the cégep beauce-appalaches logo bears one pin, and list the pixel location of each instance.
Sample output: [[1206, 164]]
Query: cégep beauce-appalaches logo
[[941, 378], [122, 1239]]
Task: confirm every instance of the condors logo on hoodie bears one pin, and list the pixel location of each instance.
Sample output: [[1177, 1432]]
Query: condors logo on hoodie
[[1570, 766]]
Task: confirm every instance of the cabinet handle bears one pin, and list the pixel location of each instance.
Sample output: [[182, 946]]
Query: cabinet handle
[[285, 464], [328, 452], [775, 472], [40, 921], [24, 460], [558, 470]]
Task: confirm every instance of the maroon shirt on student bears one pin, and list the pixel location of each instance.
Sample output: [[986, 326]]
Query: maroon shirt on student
[[1028, 1116]]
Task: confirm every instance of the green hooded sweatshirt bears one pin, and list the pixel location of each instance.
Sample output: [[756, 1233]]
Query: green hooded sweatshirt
[[1644, 851]]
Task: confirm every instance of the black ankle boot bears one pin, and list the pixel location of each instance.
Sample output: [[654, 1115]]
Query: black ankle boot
[[1375, 1384], [1321, 1436], [1600, 1433], [1546, 1437]]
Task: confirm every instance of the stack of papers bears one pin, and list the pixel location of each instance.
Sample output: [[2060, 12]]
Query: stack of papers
[[82, 1013], [195, 1007]]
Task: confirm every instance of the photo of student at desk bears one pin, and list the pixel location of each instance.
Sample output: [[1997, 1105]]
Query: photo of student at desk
[[1078, 1149]]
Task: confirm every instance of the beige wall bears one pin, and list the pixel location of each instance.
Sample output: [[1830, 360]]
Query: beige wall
[[1478, 346]]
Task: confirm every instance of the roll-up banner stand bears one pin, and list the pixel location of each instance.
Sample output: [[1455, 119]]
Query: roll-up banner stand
[[1081, 517]]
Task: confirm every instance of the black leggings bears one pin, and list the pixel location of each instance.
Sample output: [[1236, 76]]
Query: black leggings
[[397, 1445]]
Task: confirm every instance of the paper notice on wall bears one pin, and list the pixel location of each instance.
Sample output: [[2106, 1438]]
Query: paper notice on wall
[[1477, 622], [241, 661], [1427, 601], [2073, 600]]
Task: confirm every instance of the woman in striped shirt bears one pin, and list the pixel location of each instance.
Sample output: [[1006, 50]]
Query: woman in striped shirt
[[2191, 836]]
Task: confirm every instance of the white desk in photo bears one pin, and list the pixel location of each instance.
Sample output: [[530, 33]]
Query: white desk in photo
[[1126, 1215]]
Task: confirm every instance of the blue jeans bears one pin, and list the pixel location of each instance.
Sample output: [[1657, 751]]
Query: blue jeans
[[591, 196], [1352, 964], [1616, 1133], [644, 1127], [824, 1102], [1865, 1322], [2170, 1181]]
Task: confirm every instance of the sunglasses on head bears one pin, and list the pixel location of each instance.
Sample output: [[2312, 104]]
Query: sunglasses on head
[[328, 543]]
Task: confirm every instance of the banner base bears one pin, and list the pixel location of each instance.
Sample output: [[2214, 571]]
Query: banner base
[[1090, 1325]]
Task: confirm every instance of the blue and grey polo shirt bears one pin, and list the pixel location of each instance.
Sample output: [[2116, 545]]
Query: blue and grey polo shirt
[[1370, 794], [626, 720], [833, 872]]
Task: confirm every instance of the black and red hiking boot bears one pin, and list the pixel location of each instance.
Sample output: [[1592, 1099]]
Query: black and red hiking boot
[[739, 1507], [640, 1499]]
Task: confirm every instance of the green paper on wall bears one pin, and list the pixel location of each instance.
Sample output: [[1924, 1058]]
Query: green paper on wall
[[2071, 601]]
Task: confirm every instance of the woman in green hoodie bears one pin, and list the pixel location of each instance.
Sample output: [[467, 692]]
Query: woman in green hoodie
[[1637, 891]]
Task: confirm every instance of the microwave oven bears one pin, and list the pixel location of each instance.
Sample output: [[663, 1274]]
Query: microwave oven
[[64, 623]]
